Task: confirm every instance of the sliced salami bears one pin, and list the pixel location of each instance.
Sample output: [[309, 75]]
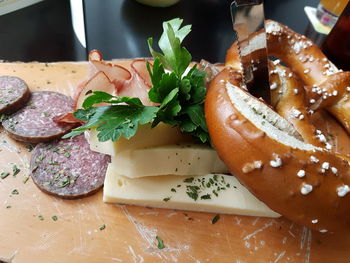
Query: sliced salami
[[68, 168], [35, 122], [14, 94]]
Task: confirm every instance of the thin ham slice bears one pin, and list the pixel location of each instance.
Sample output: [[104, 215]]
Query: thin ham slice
[[114, 72], [114, 79], [67, 118], [139, 84], [100, 82]]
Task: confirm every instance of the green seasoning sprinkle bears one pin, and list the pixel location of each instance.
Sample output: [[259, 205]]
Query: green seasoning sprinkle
[[3, 175], [189, 180], [8, 207], [173, 190], [192, 195], [192, 191], [41, 217], [102, 227], [215, 219], [3, 116], [54, 149], [54, 218], [29, 148], [66, 154], [25, 179], [41, 157], [53, 163], [15, 170], [166, 199], [15, 192], [207, 196], [160, 243]]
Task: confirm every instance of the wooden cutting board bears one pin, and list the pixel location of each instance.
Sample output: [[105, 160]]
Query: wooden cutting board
[[29, 234]]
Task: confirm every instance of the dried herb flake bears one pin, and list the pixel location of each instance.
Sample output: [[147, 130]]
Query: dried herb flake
[[215, 219], [160, 243]]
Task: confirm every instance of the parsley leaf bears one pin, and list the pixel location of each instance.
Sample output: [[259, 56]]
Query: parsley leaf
[[160, 243], [112, 121], [215, 219]]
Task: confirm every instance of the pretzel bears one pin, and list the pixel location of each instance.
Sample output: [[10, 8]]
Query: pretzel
[[291, 168], [289, 101], [330, 86]]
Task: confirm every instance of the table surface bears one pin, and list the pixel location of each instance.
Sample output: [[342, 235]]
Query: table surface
[[43, 32], [29, 234]]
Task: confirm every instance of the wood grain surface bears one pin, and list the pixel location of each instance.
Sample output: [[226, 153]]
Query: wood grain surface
[[29, 234]]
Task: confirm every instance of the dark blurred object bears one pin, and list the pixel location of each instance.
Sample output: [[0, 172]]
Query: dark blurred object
[[337, 44], [119, 29], [40, 32]]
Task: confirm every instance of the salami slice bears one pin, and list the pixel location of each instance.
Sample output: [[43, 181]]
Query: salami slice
[[68, 168], [35, 122], [14, 94]]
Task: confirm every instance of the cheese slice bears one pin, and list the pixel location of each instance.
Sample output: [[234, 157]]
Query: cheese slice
[[145, 137], [213, 193], [181, 159]]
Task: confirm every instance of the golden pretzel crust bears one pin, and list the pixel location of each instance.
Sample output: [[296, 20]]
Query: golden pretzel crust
[[239, 142], [308, 186]]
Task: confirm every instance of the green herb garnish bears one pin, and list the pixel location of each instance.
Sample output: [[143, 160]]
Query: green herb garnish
[[40, 217], [15, 170], [112, 121], [3, 175], [166, 199], [215, 219], [102, 227], [188, 180], [25, 179], [29, 147], [54, 218], [207, 196], [180, 96], [15, 192], [3, 116], [41, 157], [160, 243]]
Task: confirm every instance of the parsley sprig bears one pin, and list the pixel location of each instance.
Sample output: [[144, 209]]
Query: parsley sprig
[[179, 95], [114, 120]]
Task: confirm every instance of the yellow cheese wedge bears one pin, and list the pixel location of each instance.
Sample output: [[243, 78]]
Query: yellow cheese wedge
[[213, 193], [180, 159], [145, 137]]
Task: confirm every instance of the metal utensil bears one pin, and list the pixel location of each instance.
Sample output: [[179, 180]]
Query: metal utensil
[[248, 22]]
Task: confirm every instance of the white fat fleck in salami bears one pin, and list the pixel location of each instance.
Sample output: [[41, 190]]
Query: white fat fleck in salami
[[14, 94], [35, 122], [68, 168]]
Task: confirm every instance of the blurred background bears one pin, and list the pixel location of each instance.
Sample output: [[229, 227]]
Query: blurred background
[[119, 28]]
